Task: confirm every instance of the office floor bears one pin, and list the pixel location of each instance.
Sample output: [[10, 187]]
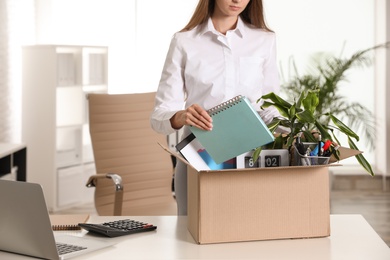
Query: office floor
[[350, 195], [363, 195]]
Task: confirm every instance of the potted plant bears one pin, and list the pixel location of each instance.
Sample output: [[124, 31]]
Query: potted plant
[[301, 118], [325, 76], [318, 105]]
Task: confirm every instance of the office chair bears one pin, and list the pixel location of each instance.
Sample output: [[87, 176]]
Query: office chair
[[134, 172]]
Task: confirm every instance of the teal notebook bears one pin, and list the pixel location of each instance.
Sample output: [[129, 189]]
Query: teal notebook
[[237, 129]]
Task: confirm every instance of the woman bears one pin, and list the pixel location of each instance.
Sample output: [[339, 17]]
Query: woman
[[225, 50]]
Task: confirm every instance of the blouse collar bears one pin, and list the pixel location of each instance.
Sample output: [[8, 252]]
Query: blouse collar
[[209, 27]]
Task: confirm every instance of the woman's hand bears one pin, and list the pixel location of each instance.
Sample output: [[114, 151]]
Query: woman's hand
[[194, 115]]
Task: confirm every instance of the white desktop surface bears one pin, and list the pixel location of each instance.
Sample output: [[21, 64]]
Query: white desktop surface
[[352, 238]]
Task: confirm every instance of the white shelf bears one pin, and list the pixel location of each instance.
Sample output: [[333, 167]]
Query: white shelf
[[56, 81]]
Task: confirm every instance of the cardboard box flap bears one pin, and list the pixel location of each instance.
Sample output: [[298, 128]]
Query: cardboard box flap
[[176, 155], [181, 158], [344, 154]]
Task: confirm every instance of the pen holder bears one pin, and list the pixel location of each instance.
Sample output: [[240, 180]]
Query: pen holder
[[306, 160]]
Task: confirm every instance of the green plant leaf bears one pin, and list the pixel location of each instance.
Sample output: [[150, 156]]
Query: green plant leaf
[[282, 110], [297, 128], [276, 99], [334, 137], [308, 136], [306, 117], [292, 111], [310, 102], [273, 125], [299, 101], [360, 158], [290, 140], [256, 154], [336, 154], [343, 128], [324, 133], [279, 142]]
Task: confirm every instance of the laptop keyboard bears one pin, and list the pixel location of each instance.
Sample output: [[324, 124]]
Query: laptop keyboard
[[66, 248]]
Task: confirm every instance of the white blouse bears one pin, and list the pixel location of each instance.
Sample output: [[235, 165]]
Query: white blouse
[[206, 67]]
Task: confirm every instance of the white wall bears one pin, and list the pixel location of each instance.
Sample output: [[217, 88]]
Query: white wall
[[157, 21], [16, 29], [307, 27], [138, 34], [382, 91]]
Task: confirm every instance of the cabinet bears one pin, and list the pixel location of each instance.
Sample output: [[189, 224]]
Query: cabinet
[[56, 80]]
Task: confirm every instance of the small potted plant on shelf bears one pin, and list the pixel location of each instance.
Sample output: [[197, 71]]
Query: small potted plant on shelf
[[301, 119]]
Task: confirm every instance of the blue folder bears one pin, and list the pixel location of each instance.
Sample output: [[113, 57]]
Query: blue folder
[[237, 129]]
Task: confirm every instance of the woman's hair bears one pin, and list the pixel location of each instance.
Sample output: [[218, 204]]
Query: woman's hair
[[253, 14]]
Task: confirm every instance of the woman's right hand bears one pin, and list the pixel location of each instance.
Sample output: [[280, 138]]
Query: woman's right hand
[[194, 115]]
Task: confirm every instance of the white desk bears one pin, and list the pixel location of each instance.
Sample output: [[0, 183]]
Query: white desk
[[352, 238]]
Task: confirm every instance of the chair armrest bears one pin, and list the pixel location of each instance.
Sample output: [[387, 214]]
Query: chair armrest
[[117, 180]]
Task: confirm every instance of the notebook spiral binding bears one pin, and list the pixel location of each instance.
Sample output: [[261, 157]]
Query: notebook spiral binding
[[225, 105], [65, 227]]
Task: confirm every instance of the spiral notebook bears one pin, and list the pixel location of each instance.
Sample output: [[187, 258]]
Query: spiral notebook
[[237, 129], [67, 222]]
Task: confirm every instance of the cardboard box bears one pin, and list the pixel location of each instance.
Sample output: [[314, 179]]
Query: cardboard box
[[259, 203]]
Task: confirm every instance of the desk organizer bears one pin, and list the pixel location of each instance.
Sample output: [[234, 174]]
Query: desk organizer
[[305, 160]]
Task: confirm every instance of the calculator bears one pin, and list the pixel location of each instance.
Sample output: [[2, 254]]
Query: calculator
[[118, 227]]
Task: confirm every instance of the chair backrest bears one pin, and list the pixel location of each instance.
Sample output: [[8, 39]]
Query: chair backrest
[[124, 143]]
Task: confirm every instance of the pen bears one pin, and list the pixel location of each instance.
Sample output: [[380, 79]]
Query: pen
[[307, 154], [301, 150], [319, 146], [300, 146], [303, 161], [331, 150], [326, 145], [315, 151]]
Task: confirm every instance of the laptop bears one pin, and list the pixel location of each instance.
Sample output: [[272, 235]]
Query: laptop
[[25, 225]]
